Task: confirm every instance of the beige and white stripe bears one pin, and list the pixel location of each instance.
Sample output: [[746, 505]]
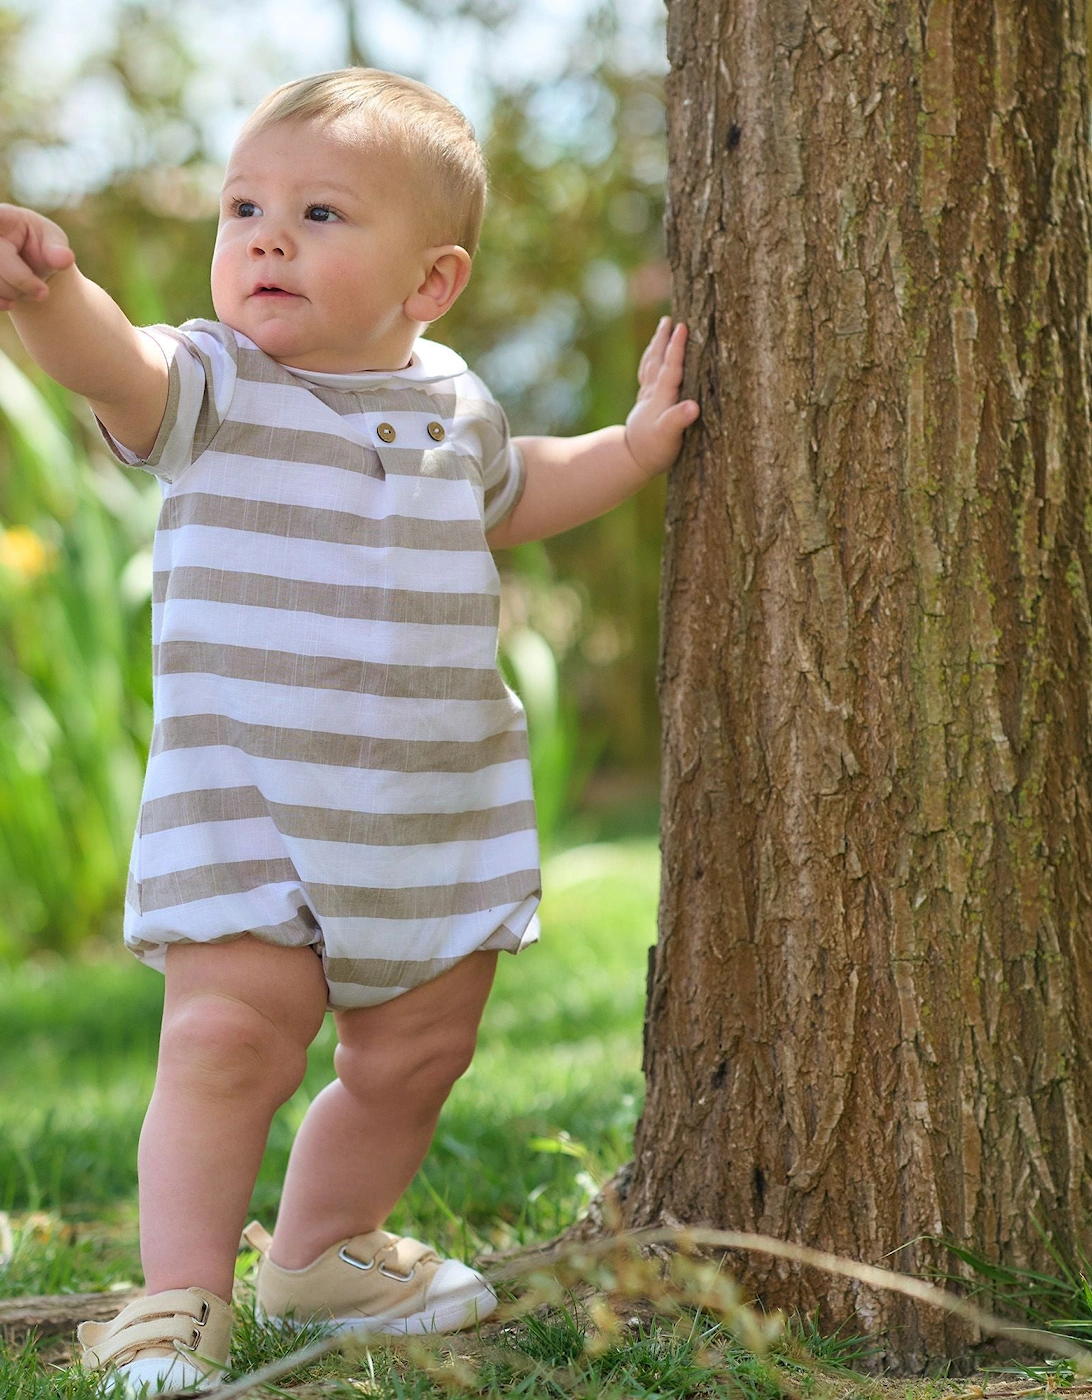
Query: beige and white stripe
[[336, 760]]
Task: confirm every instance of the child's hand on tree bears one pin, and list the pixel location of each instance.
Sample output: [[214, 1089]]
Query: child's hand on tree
[[657, 420], [32, 249]]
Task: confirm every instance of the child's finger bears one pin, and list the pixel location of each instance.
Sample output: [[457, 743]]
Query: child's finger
[[654, 351], [17, 281], [671, 368], [667, 376], [647, 355], [679, 416], [58, 256], [46, 250], [675, 349], [16, 288], [18, 294]]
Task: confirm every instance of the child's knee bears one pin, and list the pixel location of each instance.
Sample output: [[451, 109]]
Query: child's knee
[[223, 1047], [417, 1073]]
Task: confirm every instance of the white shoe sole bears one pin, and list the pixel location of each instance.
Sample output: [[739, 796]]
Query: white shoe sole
[[452, 1317], [464, 1303], [156, 1374]]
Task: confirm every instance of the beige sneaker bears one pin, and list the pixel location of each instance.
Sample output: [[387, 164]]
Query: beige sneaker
[[178, 1340], [372, 1283]]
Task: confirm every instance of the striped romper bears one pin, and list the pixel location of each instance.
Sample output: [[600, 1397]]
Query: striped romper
[[336, 760]]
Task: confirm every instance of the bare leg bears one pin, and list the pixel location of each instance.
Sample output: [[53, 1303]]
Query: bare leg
[[367, 1133], [237, 1020]]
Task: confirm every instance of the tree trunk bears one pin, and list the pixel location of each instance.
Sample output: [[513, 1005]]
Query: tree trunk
[[866, 1006]]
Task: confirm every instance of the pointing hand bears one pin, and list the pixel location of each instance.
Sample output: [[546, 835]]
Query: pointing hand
[[32, 249]]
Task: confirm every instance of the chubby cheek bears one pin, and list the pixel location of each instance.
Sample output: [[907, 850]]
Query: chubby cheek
[[220, 281]]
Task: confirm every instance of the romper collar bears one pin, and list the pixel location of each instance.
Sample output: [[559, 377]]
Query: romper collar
[[431, 362]]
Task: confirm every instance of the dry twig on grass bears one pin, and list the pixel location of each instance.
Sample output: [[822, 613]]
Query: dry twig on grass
[[886, 1279]]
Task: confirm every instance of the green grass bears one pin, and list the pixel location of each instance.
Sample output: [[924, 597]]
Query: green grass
[[554, 1353], [1059, 1302]]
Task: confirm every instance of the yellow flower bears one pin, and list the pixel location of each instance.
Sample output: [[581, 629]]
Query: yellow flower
[[24, 552]]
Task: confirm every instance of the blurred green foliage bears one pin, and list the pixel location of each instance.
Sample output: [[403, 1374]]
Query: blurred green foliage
[[75, 702], [567, 288]]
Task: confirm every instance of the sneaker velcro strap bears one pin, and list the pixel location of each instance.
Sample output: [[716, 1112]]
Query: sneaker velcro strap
[[399, 1257], [178, 1318], [396, 1256], [158, 1332]]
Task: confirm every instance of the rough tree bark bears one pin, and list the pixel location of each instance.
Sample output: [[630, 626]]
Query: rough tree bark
[[868, 1005]]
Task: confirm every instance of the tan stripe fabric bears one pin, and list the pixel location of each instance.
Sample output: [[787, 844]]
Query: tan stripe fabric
[[337, 901], [273, 445], [206, 881], [324, 629], [306, 523], [333, 600], [337, 750], [329, 672], [330, 824], [423, 901]]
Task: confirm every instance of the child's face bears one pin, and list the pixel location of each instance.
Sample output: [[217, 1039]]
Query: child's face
[[318, 249]]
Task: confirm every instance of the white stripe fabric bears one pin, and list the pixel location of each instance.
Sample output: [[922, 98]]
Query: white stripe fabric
[[336, 760]]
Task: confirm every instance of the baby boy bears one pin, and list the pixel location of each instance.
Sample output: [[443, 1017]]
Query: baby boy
[[337, 811]]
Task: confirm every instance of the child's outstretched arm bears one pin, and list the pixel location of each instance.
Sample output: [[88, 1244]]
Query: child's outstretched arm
[[78, 334], [570, 480]]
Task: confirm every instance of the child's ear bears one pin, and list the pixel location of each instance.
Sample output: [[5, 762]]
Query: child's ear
[[448, 273]]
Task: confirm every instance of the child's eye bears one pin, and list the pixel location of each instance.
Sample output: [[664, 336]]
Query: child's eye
[[244, 208], [320, 214]]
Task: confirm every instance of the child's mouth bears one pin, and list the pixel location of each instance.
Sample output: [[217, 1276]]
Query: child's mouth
[[272, 292]]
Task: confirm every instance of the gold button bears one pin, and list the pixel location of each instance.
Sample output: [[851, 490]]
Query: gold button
[[436, 431], [386, 432]]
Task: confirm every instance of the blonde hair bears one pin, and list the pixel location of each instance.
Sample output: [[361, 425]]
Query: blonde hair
[[408, 119]]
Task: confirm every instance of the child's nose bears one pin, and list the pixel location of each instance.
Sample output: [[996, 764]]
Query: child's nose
[[270, 241]]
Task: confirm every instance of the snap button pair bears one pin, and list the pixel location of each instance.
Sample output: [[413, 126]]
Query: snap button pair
[[386, 433]]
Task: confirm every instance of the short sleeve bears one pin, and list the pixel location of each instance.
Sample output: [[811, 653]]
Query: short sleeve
[[201, 366], [484, 425], [504, 481]]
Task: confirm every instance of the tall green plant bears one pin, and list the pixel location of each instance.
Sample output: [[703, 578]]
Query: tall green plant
[[74, 703], [540, 619], [551, 727]]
